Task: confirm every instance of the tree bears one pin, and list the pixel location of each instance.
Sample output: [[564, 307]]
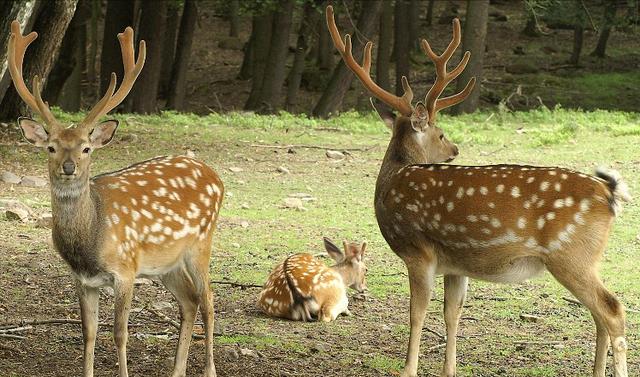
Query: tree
[[384, 46], [234, 18], [178, 82], [169, 47], [342, 77], [473, 40], [295, 75], [402, 38], [51, 23], [610, 9], [429, 16], [153, 20], [119, 15], [261, 39]]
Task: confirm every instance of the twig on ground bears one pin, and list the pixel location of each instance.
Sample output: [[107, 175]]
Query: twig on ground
[[437, 346], [436, 333], [309, 146], [635, 311], [170, 321], [15, 329], [234, 284], [538, 342], [11, 336], [396, 274], [572, 300]]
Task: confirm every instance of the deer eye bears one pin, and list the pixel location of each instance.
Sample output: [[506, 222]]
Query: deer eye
[[86, 150], [51, 150]]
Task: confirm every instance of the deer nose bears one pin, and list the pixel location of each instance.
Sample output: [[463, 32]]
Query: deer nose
[[68, 167]]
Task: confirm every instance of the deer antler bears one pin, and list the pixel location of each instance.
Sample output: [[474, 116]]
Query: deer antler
[[17, 47], [443, 78], [131, 71], [402, 104]]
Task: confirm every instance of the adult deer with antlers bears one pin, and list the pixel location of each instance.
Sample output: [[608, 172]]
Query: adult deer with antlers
[[154, 218], [501, 223]]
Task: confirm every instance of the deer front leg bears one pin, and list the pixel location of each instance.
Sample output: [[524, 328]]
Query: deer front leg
[[421, 275], [455, 291], [88, 297], [123, 288], [602, 348]]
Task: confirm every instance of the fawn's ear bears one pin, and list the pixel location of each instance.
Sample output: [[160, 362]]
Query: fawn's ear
[[103, 133], [334, 252], [33, 132], [387, 116], [363, 247]]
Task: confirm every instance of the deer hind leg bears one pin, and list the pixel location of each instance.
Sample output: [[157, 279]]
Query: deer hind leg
[[178, 282], [198, 267], [123, 288], [605, 309], [89, 313], [421, 271], [455, 291]]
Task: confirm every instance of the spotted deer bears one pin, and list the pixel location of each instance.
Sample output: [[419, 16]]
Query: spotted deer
[[153, 218], [303, 288], [500, 223]]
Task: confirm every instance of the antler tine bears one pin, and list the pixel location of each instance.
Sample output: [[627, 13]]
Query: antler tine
[[443, 78], [402, 104], [132, 69], [17, 47]]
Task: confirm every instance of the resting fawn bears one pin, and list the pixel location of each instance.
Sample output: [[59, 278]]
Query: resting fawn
[[303, 288], [154, 218], [501, 223]]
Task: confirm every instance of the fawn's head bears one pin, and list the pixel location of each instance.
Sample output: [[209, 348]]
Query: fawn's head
[[415, 129], [70, 147], [350, 262]]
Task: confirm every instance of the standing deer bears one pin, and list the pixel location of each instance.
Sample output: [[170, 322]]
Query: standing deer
[[500, 223], [153, 218], [303, 288]]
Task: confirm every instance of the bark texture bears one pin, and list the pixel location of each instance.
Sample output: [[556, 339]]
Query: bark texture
[[384, 46], [119, 15], [261, 35], [178, 82]]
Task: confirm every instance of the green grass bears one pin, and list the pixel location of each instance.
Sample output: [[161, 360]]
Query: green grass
[[343, 209]]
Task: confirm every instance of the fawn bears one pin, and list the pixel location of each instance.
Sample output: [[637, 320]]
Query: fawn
[[303, 288], [153, 218], [500, 223]]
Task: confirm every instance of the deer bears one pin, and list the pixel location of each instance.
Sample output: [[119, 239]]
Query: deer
[[155, 218], [498, 223], [302, 288]]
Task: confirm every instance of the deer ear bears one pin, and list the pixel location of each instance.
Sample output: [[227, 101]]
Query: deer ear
[[363, 247], [103, 133], [334, 252], [33, 131], [387, 116], [420, 118]]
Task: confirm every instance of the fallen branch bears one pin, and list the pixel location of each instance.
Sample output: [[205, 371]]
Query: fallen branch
[[11, 336], [437, 346], [538, 342], [168, 320], [436, 333], [15, 329], [572, 300], [309, 146], [234, 284]]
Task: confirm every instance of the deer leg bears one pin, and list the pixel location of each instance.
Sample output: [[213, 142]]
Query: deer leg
[[607, 311], [421, 275], [123, 288], [198, 268], [180, 285], [89, 313], [455, 291]]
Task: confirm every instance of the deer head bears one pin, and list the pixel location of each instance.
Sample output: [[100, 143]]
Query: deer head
[[70, 147], [350, 262]]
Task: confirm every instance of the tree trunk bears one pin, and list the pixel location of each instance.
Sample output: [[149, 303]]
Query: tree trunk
[[275, 69], [67, 71], [341, 78], [609, 17], [119, 15], [261, 34], [51, 25], [384, 46], [430, 12], [96, 7], [402, 43], [531, 28], [153, 20], [578, 39], [178, 82], [24, 12], [169, 47], [325, 47], [246, 69], [473, 40], [414, 24], [234, 18], [295, 75]]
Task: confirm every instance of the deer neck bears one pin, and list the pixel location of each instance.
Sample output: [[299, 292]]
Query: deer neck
[[345, 273], [76, 229]]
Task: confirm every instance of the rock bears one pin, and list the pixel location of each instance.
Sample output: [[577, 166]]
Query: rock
[[303, 196], [236, 245], [335, 155], [31, 181], [9, 177], [248, 352], [244, 206], [521, 68], [231, 353], [294, 203], [234, 169], [530, 318], [17, 214], [45, 221], [189, 153], [16, 210], [244, 224], [282, 169], [161, 305]]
